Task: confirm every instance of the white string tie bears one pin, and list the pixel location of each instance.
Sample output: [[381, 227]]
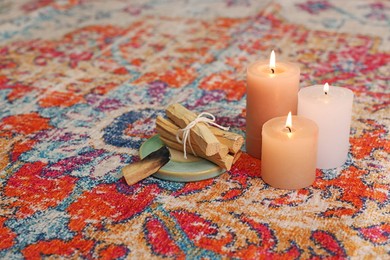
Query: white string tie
[[204, 117]]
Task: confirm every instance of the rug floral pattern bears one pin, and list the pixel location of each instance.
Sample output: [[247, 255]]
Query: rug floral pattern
[[81, 83]]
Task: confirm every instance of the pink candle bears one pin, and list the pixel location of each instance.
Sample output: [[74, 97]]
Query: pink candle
[[272, 90], [289, 152]]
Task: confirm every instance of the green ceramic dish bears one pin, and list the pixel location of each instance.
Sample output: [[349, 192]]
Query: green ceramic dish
[[179, 169]]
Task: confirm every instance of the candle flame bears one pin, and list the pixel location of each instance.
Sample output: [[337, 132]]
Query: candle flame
[[272, 61], [326, 88], [289, 121]]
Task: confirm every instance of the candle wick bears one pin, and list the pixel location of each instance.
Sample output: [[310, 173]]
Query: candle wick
[[272, 70], [326, 92], [289, 128]]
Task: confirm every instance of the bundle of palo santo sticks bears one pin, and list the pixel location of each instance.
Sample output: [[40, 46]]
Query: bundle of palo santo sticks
[[211, 143], [207, 141]]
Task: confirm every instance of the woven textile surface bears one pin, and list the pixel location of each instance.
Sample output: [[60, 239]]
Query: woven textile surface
[[81, 84]]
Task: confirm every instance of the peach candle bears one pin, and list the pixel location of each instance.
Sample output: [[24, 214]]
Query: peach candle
[[289, 152], [331, 109], [272, 90]]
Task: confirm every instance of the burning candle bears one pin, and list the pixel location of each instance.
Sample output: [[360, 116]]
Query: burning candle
[[331, 108], [289, 152], [272, 90]]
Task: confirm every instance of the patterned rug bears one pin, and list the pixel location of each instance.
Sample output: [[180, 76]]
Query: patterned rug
[[81, 83]]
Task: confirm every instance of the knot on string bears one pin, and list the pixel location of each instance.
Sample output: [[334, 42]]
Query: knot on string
[[204, 117]]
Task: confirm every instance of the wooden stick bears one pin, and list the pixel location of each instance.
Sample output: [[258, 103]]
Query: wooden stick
[[200, 133], [225, 162], [168, 129], [232, 140], [137, 171], [171, 142], [237, 156]]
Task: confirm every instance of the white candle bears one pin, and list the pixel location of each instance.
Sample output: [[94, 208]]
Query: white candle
[[289, 152], [331, 108]]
